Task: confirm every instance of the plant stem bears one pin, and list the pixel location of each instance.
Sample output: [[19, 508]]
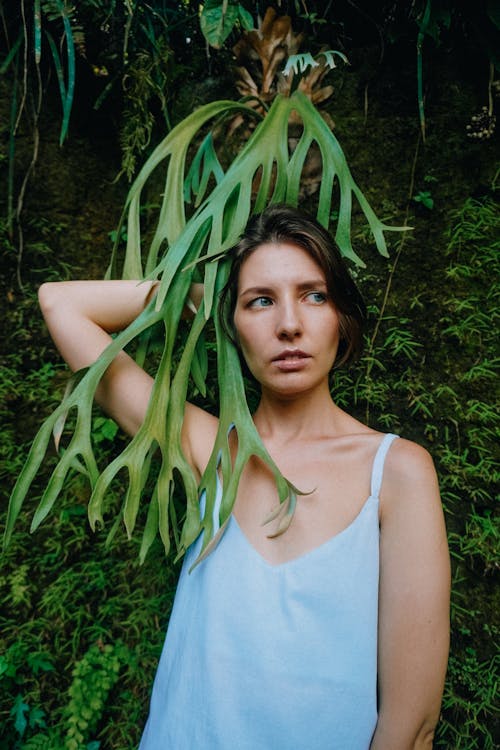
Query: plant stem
[[393, 269]]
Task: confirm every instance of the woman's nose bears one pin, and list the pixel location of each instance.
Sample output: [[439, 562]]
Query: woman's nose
[[289, 322]]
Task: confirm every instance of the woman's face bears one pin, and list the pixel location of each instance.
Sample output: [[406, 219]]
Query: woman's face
[[287, 326]]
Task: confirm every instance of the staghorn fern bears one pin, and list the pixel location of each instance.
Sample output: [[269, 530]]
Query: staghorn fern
[[218, 220]]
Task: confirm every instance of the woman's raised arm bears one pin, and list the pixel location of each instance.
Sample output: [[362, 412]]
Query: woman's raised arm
[[81, 316], [413, 602]]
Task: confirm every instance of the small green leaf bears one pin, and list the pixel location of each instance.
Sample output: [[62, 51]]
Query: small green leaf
[[18, 711], [245, 18], [40, 663], [104, 428], [204, 165], [425, 198], [217, 20], [37, 718]]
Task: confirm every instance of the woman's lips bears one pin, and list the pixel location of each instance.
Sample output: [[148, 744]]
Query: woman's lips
[[291, 359]]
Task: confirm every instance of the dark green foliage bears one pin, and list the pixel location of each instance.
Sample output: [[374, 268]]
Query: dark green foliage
[[79, 642], [81, 628], [66, 602], [452, 396], [76, 634]]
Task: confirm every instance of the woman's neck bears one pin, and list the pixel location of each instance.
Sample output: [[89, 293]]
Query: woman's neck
[[307, 416]]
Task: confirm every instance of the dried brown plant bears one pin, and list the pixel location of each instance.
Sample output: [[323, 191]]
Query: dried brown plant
[[260, 56]]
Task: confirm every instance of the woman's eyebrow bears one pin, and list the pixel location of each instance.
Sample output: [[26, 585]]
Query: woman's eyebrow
[[313, 284], [301, 286], [259, 290]]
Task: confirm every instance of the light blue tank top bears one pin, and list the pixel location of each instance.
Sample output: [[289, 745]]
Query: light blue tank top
[[273, 657]]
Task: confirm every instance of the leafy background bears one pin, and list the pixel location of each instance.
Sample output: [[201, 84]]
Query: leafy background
[[81, 626]]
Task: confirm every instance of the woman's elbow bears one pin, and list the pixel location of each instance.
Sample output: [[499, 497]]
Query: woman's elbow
[[425, 737], [404, 735], [47, 295]]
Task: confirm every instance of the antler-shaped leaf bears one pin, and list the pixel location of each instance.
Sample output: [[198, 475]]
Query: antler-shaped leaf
[[234, 416], [81, 399], [212, 229], [172, 217]]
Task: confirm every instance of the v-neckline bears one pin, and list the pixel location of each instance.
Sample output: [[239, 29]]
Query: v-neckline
[[308, 553]]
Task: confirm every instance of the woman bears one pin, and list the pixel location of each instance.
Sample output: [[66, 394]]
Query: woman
[[335, 633]]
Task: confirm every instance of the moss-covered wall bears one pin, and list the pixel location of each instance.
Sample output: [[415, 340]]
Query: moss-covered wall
[[428, 373]]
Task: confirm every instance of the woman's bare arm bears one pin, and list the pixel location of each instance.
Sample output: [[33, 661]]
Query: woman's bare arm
[[81, 316], [413, 602]]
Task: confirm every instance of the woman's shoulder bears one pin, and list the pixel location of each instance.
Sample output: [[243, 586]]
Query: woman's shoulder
[[408, 461], [405, 461], [410, 482]]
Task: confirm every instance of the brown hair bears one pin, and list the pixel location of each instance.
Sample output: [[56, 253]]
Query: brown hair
[[283, 223]]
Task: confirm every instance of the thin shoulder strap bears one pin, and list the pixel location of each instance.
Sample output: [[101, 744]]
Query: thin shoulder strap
[[378, 463]]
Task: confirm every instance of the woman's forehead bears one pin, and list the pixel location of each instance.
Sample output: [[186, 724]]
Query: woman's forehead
[[279, 260]]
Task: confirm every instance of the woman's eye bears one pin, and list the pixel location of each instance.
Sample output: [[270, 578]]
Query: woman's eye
[[260, 302], [316, 297]]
